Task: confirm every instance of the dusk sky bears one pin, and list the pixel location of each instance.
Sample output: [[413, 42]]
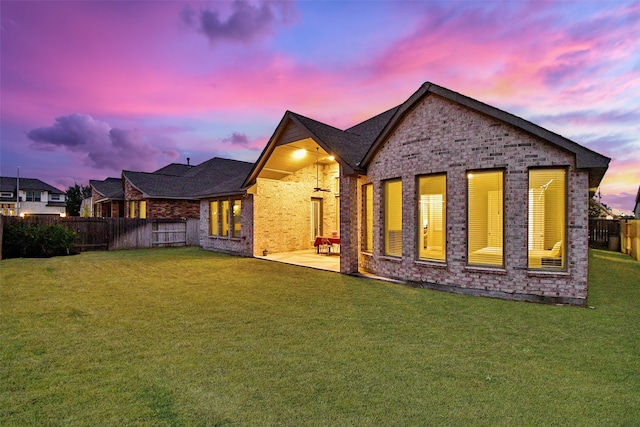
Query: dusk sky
[[88, 89]]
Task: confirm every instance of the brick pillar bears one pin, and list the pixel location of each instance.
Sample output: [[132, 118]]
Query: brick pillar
[[349, 245]]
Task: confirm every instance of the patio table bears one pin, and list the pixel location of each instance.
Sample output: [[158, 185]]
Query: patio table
[[321, 240]]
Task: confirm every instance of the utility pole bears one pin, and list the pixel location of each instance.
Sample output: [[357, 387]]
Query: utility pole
[[18, 193]]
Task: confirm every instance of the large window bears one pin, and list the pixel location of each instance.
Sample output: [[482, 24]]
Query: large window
[[132, 209], [236, 218], [367, 221], [485, 218], [432, 214], [547, 218], [226, 218], [143, 209], [214, 208], [393, 218]]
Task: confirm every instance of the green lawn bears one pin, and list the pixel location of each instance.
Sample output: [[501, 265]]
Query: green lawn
[[190, 337]]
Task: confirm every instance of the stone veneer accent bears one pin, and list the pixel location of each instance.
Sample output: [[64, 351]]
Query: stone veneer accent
[[282, 215], [440, 136], [161, 208]]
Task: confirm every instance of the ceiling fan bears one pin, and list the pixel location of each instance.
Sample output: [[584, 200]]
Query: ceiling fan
[[317, 187]]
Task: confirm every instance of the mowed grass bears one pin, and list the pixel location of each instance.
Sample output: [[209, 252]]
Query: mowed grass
[[190, 337]]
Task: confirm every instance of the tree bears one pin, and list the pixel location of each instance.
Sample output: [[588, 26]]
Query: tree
[[75, 195]]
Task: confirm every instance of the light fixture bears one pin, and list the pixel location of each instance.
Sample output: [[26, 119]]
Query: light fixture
[[332, 158], [469, 175], [300, 154]]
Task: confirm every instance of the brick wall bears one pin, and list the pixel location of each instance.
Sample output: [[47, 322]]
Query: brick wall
[[160, 208], [131, 194], [238, 246], [439, 136], [168, 208], [350, 220], [282, 214]]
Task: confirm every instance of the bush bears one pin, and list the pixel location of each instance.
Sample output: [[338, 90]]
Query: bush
[[23, 240]]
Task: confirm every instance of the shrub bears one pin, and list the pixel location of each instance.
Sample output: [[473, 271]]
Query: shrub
[[24, 240]]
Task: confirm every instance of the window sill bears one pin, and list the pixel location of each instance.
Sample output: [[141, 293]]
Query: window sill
[[486, 269], [369, 254], [391, 258], [548, 273], [430, 263], [224, 238]]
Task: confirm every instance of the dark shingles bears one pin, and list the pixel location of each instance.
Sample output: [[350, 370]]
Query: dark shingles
[[26, 184], [110, 188], [349, 145], [214, 176], [176, 169]]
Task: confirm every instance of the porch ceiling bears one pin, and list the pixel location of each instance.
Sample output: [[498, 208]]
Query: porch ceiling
[[291, 157]]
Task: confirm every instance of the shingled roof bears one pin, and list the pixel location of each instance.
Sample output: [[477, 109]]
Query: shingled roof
[[349, 145], [110, 188], [176, 169], [9, 184], [356, 146], [216, 176]]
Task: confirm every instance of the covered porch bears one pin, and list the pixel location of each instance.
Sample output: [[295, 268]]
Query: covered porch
[[296, 200]]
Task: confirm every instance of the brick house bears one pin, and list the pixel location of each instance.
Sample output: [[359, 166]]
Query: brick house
[[442, 191], [107, 198], [174, 191]]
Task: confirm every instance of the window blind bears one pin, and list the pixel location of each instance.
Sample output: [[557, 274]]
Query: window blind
[[432, 217], [485, 218], [367, 232], [237, 218], [547, 218], [393, 218], [215, 220]]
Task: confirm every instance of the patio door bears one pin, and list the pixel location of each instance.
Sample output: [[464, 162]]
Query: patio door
[[316, 218]]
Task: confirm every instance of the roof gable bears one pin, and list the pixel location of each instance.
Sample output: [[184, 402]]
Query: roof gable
[[595, 163], [347, 146], [110, 188]]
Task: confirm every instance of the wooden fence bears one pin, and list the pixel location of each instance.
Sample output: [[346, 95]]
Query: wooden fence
[[121, 233], [604, 233]]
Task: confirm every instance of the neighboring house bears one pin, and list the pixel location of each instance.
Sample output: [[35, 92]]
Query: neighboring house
[[636, 209], [107, 198], [35, 197], [441, 191], [175, 190]]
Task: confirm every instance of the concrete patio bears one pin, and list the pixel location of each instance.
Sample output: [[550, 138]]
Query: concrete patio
[[307, 258]]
